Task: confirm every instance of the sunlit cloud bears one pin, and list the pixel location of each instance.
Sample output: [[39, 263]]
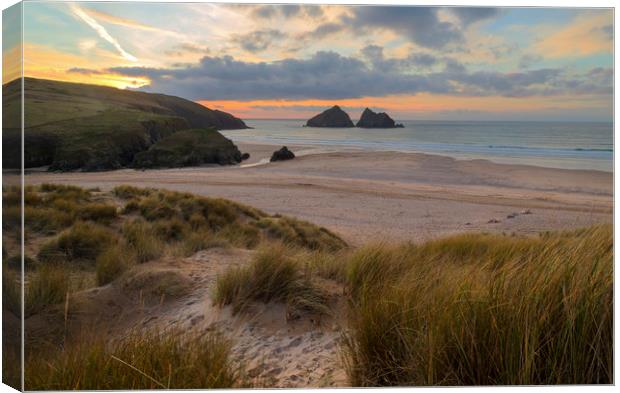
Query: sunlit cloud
[[47, 63], [452, 61], [588, 34], [101, 31]]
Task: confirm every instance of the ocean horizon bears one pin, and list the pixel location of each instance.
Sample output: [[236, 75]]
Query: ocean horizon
[[552, 144]]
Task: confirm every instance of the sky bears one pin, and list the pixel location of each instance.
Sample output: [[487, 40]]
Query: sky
[[293, 61]]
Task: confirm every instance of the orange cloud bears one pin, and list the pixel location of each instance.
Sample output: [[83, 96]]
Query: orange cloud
[[47, 63], [585, 36], [403, 106]]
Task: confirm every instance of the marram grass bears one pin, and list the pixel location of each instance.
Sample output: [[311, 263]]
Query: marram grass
[[140, 361], [483, 310]]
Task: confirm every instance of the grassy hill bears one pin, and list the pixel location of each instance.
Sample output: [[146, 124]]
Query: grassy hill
[[72, 126]]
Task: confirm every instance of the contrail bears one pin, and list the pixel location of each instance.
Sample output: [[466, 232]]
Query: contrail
[[77, 11]]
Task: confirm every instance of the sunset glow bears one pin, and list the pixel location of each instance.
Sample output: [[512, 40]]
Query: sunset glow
[[271, 61]]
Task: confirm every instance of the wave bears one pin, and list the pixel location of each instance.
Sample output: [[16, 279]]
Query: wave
[[549, 148]]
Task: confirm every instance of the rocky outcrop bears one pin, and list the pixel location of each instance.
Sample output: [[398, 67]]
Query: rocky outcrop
[[283, 154], [333, 117], [372, 119], [193, 147]]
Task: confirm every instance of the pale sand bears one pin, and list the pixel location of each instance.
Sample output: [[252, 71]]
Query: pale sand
[[274, 351], [372, 196]]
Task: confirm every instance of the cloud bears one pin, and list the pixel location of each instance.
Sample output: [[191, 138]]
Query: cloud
[[85, 71], [325, 75], [268, 11], [526, 61], [188, 47], [323, 30], [453, 66], [101, 31], [328, 75], [258, 41], [413, 61], [421, 25], [312, 108], [470, 15], [587, 34]]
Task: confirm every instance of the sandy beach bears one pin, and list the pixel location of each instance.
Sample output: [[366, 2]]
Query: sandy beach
[[373, 196]]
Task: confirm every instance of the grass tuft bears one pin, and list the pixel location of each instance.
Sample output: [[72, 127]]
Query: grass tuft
[[483, 310], [142, 239], [83, 241], [99, 212], [48, 286], [113, 262], [273, 275]]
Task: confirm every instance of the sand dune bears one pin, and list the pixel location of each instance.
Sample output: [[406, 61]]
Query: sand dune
[[274, 351]]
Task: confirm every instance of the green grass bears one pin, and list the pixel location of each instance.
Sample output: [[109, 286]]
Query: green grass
[[73, 126], [166, 360], [483, 310]]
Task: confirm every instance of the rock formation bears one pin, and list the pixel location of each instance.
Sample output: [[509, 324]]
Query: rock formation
[[283, 154], [333, 117], [372, 119]]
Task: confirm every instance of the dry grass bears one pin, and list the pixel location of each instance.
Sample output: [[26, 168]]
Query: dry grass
[[274, 275], [465, 310], [48, 286], [142, 240], [483, 310], [328, 265], [11, 291], [300, 233], [175, 214], [113, 262], [83, 241], [140, 361]]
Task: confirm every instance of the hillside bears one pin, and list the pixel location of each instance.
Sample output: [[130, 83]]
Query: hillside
[[189, 148], [72, 126]]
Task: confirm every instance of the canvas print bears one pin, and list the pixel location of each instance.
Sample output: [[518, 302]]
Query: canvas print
[[219, 195]]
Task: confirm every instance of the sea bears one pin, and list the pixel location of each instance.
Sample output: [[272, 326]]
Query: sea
[[574, 145]]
